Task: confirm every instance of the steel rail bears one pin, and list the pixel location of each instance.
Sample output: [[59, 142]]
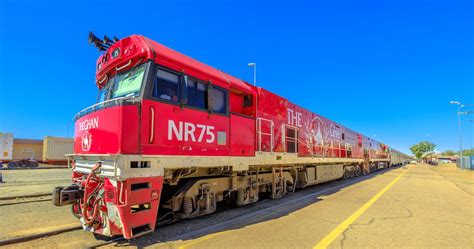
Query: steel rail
[[27, 168], [37, 236], [23, 202], [29, 183], [24, 196]]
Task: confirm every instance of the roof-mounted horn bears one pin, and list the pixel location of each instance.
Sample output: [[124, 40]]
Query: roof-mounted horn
[[101, 45], [107, 41]]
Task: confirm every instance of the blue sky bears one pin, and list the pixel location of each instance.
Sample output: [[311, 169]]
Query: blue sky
[[386, 69]]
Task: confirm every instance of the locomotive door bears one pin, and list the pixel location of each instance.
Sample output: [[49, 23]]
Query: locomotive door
[[242, 123], [185, 116]]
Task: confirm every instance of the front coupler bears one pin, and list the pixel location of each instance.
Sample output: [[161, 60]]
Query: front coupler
[[67, 195]]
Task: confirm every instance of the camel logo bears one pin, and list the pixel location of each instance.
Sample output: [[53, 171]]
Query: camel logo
[[314, 136], [316, 132], [86, 141]]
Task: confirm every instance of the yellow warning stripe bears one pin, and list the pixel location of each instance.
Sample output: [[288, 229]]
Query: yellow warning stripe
[[326, 241], [196, 241]]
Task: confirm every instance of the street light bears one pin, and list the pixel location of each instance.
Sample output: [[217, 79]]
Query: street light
[[460, 131], [254, 65]]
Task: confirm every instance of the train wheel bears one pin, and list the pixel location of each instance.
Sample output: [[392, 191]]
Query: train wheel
[[358, 172], [289, 188], [346, 174], [32, 164]]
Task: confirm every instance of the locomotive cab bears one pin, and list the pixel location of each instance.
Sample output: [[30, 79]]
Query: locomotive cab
[[148, 106]]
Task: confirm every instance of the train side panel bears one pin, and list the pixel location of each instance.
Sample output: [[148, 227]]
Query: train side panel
[[285, 127]]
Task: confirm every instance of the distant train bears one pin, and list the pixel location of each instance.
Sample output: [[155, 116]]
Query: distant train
[[170, 137]]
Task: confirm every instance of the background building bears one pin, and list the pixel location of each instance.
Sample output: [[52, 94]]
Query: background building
[[49, 150], [55, 149], [27, 148]]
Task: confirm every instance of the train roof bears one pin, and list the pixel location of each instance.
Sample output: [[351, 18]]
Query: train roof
[[134, 48], [187, 63], [181, 62]]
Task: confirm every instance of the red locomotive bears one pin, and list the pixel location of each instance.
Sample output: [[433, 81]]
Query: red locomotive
[[170, 137]]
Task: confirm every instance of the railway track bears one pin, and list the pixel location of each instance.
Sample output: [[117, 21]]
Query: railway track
[[289, 202], [29, 183], [36, 236], [28, 168], [14, 197], [23, 199]]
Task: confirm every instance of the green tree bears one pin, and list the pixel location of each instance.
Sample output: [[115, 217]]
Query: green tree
[[422, 147], [449, 153], [468, 152]]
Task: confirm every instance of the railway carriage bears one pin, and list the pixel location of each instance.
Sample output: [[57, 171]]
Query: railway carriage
[[170, 137]]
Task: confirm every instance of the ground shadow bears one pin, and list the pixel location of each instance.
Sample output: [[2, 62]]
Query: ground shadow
[[226, 219]]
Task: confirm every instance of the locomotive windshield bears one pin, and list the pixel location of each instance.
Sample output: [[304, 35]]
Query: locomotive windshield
[[125, 84]]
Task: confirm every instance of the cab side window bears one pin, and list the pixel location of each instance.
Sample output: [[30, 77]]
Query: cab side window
[[197, 94], [166, 86], [218, 101], [247, 101]]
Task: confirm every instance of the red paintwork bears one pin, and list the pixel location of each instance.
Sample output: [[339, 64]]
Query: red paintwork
[[161, 145], [124, 203], [113, 130], [146, 217], [242, 136], [133, 49], [270, 106], [144, 128], [275, 108]]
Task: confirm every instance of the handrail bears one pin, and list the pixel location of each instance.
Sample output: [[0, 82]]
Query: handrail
[[103, 79], [260, 133], [124, 66], [117, 100], [332, 150], [152, 125]]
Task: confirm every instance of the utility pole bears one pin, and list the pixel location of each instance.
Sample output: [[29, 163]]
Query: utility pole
[[461, 159]]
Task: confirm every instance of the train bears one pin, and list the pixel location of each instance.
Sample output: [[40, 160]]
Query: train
[[170, 137]]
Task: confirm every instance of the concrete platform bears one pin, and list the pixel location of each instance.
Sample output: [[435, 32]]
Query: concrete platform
[[424, 208]]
